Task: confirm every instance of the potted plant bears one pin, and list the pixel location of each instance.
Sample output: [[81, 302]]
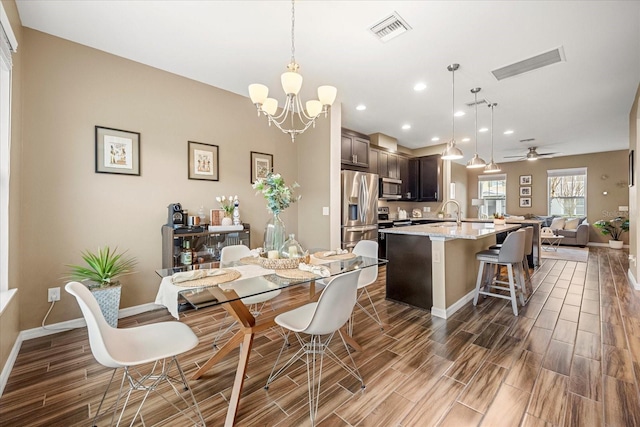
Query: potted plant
[[498, 219], [613, 228], [100, 275], [278, 196]]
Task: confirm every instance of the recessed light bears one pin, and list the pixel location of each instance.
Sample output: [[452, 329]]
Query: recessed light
[[466, 139], [508, 132], [419, 87], [361, 107], [459, 113], [406, 126], [483, 129], [435, 138]]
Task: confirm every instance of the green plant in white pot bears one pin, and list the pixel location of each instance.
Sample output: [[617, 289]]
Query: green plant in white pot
[[100, 274], [614, 228]]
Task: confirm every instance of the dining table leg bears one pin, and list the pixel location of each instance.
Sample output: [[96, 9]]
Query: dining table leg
[[234, 401]]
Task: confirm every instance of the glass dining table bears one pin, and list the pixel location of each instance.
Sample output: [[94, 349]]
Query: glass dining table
[[247, 278]]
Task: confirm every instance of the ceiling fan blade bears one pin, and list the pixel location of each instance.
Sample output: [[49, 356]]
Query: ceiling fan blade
[[506, 157], [547, 154]]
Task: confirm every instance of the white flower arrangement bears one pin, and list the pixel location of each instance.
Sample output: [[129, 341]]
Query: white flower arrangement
[[227, 205]]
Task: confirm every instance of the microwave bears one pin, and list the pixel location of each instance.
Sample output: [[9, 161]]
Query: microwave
[[390, 188]]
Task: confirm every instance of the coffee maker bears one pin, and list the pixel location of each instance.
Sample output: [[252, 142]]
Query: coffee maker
[[177, 216]]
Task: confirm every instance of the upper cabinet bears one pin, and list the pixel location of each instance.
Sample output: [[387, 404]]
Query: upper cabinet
[[425, 178], [354, 149]]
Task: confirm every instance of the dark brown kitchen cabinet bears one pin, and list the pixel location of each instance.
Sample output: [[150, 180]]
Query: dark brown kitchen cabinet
[[354, 149], [403, 174], [373, 160], [425, 178], [388, 165]]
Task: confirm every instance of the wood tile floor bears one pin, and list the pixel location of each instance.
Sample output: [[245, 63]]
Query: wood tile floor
[[572, 358]]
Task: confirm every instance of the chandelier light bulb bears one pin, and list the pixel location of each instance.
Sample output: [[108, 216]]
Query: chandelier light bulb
[[327, 94], [258, 93], [314, 107]]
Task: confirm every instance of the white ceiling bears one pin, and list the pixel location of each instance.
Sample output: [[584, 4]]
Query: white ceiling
[[578, 106]]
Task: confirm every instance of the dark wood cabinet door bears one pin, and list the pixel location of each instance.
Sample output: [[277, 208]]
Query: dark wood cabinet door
[[373, 160], [345, 149], [383, 164], [403, 173], [430, 173], [360, 151], [393, 166]]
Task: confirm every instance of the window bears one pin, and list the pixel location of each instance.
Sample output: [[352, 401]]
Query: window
[[8, 44], [492, 190], [567, 191]]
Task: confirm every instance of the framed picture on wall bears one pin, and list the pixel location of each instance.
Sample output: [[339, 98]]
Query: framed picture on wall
[[261, 165], [117, 151], [525, 179], [203, 161], [525, 191], [525, 202]]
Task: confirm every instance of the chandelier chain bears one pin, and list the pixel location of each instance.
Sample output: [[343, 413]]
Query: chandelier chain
[[293, 35]]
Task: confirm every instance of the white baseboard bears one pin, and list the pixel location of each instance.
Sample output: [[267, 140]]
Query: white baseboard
[[445, 314], [633, 280], [603, 245], [8, 366], [56, 328]]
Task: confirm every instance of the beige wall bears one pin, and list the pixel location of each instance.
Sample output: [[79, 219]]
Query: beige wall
[[67, 207], [605, 172], [9, 318], [634, 144]]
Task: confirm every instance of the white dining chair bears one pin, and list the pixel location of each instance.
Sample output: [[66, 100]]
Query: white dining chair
[[319, 321], [255, 303], [368, 276], [128, 348]]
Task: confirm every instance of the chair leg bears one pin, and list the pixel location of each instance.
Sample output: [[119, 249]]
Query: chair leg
[[375, 317], [512, 289], [479, 282], [275, 374], [95, 418]]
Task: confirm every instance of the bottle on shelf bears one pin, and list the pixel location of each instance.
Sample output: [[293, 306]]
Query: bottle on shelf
[[186, 256]]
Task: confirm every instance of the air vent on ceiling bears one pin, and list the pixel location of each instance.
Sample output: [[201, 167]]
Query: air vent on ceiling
[[552, 57], [528, 140], [390, 27], [480, 102]]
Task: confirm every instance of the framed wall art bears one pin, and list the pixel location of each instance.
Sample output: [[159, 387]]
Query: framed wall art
[[525, 179], [261, 165], [203, 161], [117, 151], [525, 191], [525, 202]]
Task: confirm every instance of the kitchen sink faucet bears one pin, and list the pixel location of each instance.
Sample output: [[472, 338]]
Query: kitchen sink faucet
[[455, 202]]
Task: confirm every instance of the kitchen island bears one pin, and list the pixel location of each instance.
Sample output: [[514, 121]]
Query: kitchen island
[[433, 266]]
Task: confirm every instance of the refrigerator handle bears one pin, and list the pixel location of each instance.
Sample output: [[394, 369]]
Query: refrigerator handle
[[365, 200]]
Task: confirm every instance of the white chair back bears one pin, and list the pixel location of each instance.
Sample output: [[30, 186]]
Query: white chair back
[[100, 332], [335, 304], [234, 253], [512, 249], [369, 249]]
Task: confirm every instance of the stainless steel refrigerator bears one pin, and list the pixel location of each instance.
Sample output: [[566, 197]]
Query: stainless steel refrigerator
[[359, 207]]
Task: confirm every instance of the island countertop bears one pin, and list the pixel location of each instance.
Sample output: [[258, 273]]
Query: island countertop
[[449, 230]]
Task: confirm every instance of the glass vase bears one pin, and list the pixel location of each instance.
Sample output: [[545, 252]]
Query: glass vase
[[274, 234]]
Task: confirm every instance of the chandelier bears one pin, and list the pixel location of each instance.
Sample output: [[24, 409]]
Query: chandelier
[[293, 119], [451, 152]]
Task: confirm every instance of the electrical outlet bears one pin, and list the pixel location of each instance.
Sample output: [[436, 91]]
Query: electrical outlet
[[54, 294]]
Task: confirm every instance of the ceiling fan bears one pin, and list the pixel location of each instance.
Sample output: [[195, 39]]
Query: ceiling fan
[[532, 155]]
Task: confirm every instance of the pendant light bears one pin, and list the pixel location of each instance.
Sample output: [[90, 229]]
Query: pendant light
[[492, 167], [452, 152], [476, 161]]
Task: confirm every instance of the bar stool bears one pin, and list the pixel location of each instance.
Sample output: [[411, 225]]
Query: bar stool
[[510, 255], [528, 250]]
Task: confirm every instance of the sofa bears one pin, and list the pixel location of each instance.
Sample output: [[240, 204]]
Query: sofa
[[574, 230]]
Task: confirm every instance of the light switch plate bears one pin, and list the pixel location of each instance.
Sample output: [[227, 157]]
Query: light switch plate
[[325, 210]]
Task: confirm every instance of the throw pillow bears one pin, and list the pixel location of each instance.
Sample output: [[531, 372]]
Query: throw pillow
[[546, 232], [557, 224], [572, 224]]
